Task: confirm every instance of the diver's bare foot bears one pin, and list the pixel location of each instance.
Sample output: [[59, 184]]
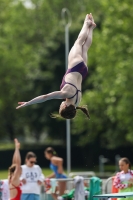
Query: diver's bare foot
[[88, 20], [93, 25], [87, 17]]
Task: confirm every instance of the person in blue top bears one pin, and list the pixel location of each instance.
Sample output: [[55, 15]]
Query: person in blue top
[[71, 86], [56, 165]]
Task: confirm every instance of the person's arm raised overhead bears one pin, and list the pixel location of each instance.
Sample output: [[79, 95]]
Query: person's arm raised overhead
[[16, 157], [43, 98], [16, 160]]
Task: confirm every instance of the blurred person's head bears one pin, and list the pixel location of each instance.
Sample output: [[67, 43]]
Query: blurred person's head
[[124, 164], [49, 152], [12, 169], [30, 159]]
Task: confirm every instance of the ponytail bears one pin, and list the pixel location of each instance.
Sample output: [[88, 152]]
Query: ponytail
[[84, 109]]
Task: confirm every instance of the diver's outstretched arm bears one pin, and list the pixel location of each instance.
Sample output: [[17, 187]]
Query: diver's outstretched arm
[[43, 98]]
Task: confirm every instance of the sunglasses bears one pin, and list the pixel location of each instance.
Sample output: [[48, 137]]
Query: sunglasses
[[32, 162]]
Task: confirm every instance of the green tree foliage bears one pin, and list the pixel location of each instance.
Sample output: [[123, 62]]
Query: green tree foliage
[[110, 97], [13, 56], [32, 63]]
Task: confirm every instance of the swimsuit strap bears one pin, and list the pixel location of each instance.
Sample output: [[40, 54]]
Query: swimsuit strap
[[15, 187], [75, 93]]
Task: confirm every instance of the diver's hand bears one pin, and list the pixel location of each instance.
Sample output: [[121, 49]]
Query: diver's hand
[[22, 104]]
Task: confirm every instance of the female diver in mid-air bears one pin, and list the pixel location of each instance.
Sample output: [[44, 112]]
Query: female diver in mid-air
[[70, 89]]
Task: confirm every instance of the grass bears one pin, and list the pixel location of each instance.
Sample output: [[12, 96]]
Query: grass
[[47, 171], [4, 173]]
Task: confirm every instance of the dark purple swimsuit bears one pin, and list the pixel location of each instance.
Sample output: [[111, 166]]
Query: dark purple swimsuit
[[80, 68]]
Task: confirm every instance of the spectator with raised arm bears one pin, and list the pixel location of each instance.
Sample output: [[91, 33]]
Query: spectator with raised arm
[[15, 173]]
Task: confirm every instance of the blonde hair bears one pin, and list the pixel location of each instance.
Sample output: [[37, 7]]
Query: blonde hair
[[11, 170]]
